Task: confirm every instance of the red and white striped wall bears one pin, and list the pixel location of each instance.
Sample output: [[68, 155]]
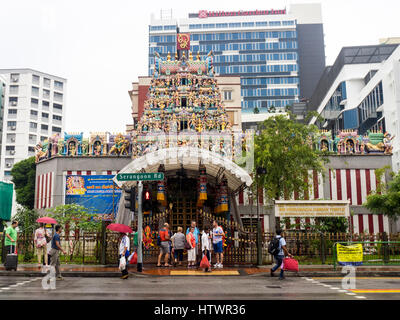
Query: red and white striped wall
[[352, 184], [44, 190]]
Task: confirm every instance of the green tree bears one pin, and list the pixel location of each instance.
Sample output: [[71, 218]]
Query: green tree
[[284, 148], [23, 176], [386, 199], [74, 217], [27, 225], [256, 110]]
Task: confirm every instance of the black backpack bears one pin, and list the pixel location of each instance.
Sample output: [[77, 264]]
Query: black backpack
[[274, 246]]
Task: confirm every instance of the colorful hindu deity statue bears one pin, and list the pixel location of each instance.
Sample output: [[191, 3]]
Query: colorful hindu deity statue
[[324, 141], [98, 144], [72, 145], [119, 144]]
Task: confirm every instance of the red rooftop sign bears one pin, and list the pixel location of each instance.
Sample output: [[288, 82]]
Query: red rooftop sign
[[207, 14]]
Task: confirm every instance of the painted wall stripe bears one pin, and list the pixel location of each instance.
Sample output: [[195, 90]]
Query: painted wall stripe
[[358, 185], [380, 219], [371, 223], [363, 180], [360, 223], [339, 184]]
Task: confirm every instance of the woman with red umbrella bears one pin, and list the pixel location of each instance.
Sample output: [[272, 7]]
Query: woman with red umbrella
[[41, 239], [123, 245]]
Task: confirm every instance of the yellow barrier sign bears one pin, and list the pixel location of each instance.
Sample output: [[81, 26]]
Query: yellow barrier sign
[[351, 255]]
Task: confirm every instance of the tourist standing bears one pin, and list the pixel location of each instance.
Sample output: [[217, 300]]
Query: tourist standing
[[164, 246], [124, 252], [281, 254], [196, 234], [55, 252], [41, 244], [205, 246], [178, 244], [10, 240], [190, 238], [218, 244]]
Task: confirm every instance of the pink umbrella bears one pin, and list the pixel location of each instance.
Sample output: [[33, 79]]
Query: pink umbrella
[[119, 228], [46, 220]]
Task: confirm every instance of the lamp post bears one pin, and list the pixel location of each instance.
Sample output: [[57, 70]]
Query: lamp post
[[260, 171]]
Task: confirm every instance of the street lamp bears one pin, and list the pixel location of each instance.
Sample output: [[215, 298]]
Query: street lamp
[[260, 171]]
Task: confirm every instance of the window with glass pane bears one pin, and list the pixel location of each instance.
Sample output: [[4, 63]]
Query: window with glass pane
[[35, 91], [35, 79]]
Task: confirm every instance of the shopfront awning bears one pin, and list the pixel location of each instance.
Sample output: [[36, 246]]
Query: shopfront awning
[[189, 158]]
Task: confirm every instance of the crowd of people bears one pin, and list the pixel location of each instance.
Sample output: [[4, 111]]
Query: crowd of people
[[197, 244]]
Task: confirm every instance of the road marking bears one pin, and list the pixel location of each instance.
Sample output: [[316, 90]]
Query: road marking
[[358, 278], [350, 294], [342, 290], [201, 273], [361, 297], [335, 288], [5, 288], [376, 290]]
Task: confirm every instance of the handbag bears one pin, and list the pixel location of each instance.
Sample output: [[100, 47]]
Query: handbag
[[290, 264], [122, 263]]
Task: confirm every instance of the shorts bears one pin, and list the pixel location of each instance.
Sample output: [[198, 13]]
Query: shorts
[[218, 247], [164, 247]]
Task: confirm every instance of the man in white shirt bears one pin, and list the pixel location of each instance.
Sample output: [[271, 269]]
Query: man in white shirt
[[218, 244], [205, 246], [124, 252]]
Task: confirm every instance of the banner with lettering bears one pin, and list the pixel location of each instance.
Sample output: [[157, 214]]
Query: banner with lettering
[[351, 255], [97, 193]]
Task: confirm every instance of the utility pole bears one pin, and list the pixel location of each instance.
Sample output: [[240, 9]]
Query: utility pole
[[259, 171], [140, 228]]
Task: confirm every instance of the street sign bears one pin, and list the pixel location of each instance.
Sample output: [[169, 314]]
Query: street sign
[[151, 176]]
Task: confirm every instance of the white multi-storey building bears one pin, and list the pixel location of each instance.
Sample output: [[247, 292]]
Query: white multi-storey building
[[34, 110], [361, 91]]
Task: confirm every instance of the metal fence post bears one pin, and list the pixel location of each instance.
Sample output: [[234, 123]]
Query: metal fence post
[[103, 243], [323, 249], [385, 246]]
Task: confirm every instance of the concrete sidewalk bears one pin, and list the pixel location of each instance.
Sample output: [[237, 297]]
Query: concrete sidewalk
[[73, 270]]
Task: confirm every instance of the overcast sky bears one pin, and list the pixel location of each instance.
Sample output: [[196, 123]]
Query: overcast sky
[[101, 46]]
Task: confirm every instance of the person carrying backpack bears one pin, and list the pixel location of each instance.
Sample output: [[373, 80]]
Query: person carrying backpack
[[277, 247]]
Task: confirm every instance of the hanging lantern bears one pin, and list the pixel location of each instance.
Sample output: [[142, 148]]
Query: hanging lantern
[[224, 196]]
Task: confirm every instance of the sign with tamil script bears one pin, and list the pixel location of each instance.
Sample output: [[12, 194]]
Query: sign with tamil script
[[207, 14], [312, 208]]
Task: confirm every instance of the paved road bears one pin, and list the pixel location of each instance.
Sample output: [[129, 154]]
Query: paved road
[[210, 288]]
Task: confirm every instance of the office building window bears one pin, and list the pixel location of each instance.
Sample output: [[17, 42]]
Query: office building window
[[44, 127], [32, 125], [42, 139], [58, 96], [228, 95], [56, 129], [46, 94], [57, 106], [13, 101], [45, 115], [35, 91], [34, 112], [34, 102], [10, 148], [12, 111], [46, 82], [35, 79], [13, 90], [45, 104], [31, 149], [58, 85], [14, 77], [59, 118]]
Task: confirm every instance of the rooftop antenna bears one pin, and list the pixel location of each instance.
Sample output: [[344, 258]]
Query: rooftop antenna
[[166, 14]]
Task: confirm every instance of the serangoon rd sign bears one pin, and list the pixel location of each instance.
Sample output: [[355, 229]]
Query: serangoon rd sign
[[207, 14]]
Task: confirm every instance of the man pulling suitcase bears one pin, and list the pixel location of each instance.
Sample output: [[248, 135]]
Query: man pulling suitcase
[[10, 244]]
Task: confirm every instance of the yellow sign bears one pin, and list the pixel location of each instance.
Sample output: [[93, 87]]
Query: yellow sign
[[311, 208], [350, 255]]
